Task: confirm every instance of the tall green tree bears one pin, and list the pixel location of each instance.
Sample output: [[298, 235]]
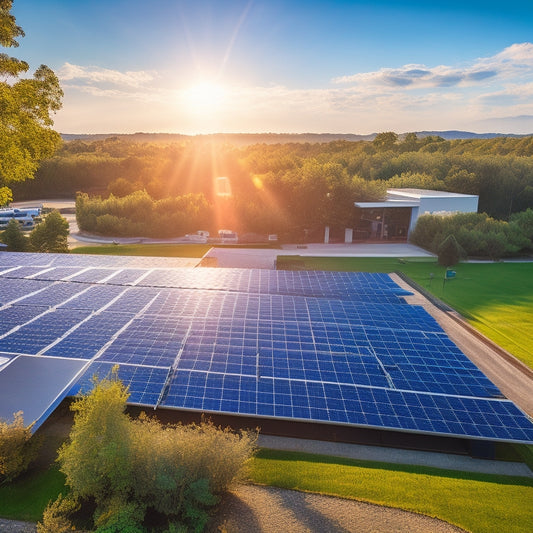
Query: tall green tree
[[26, 105], [51, 234], [385, 141]]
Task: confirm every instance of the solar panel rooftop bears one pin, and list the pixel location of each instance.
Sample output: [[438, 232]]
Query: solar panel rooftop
[[329, 347]]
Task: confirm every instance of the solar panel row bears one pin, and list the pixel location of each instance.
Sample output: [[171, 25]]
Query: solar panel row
[[329, 347], [325, 402]]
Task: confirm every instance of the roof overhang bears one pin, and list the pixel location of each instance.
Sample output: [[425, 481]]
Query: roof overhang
[[385, 204]]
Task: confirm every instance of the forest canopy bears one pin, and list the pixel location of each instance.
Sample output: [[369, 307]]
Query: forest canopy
[[271, 187]]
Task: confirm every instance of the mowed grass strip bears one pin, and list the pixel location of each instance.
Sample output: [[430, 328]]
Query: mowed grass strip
[[480, 503], [496, 298], [148, 250]]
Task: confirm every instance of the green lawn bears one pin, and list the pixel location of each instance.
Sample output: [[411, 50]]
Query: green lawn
[[26, 498], [496, 298], [149, 250], [479, 503]]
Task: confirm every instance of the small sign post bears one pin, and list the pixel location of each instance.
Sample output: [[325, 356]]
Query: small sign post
[[449, 274]]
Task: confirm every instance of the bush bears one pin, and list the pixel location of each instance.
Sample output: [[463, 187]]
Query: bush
[[18, 448], [524, 221], [120, 517], [477, 233], [130, 466], [56, 516], [138, 215]]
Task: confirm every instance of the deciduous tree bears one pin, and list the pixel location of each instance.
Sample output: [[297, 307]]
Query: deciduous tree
[[26, 134]]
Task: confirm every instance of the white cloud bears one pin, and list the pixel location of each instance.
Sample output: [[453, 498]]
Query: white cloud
[[93, 74], [515, 60]]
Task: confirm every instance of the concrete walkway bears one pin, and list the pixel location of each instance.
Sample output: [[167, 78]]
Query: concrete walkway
[[446, 461]]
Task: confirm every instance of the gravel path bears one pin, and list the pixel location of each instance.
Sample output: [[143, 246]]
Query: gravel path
[[258, 509]]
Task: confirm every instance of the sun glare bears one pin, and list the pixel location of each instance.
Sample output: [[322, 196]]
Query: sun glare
[[205, 97]]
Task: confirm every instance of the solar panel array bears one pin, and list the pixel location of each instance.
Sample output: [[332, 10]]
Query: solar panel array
[[331, 347]]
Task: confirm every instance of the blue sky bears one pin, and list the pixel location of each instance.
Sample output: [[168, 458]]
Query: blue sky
[[285, 66]]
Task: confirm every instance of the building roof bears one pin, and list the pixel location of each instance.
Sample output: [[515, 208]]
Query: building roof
[[426, 193], [410, 198]]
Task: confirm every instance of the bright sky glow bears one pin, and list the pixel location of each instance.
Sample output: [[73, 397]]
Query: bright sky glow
[[357, 66], [204, 98]]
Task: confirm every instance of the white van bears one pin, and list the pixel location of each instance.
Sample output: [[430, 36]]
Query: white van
[[227, 236]]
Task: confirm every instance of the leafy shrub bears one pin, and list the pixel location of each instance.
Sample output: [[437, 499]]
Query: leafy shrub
[[129, 466], [524, 221], [138, 215], [56, 515], [18, 447], [120, 517], [477, 233]]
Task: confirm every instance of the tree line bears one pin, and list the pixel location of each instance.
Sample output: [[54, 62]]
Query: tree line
[[293, 185]]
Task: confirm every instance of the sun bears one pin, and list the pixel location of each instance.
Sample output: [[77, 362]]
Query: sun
[[204, 97]]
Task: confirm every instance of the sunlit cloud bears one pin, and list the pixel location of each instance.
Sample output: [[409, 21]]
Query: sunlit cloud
[[409, 98]]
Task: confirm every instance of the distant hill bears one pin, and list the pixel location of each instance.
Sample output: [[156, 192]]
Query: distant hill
[[451, 135], [241, 139]]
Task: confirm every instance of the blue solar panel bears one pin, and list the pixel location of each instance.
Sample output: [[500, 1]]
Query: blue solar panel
[[16, 315], [55, 294], [57, 273], [144, 383], [95, 298], [93, 275], [36, 335], [347, 404], [14, 289], [133, 300], [126, 277], [153, 341], [29, 272], [91, 336], [341, 348]]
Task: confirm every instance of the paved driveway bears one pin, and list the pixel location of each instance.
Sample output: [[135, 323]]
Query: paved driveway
[[261, 258]]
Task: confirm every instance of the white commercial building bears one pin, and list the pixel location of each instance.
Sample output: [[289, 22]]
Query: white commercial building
[[395, 217]]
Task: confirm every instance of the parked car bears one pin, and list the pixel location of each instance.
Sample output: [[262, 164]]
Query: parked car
[[200, 236]]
